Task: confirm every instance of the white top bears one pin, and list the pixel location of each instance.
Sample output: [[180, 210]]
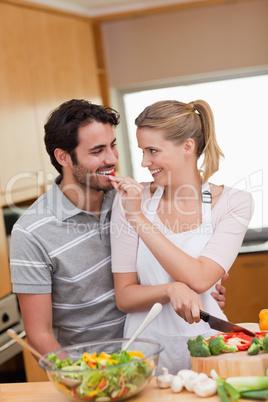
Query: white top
[[230, 218], [130, 254]]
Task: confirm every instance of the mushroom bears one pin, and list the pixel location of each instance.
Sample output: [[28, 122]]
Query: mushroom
[[205, 387], [193, 379], [177, 384], [184, 374], [164, 380]]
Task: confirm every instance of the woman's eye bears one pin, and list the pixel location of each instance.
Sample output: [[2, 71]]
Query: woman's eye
[[153, 151]]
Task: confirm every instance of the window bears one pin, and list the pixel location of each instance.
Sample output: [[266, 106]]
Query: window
[[240, 110]]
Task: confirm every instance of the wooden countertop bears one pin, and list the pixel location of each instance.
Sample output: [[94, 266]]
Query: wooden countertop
[[46, 392]]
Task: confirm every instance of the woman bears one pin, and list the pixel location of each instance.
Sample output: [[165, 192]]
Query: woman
[[174, 239]]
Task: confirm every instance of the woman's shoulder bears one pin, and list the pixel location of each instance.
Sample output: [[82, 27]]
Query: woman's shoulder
[[237, 194], [233, 199]]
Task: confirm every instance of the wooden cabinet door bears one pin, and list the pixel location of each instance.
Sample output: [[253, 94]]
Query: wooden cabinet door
[[46, 58], [62, 65], [19, 148], [246, 288]]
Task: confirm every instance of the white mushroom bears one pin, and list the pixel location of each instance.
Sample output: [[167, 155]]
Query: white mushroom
[[205, 387], [176, 384], [192, 380], [184, 374], [164, 380]]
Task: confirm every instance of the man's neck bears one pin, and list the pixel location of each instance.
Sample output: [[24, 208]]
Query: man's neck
[[89, 200]]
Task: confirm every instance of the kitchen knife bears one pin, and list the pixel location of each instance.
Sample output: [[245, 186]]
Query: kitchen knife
[[223, 326]]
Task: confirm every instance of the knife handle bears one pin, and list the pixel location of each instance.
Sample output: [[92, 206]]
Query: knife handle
[[204, 316]]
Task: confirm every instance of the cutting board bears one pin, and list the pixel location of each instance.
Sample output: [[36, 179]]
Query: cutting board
[[232, 364]]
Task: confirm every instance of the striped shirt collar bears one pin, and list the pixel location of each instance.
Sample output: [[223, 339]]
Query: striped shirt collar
[[64, 209]]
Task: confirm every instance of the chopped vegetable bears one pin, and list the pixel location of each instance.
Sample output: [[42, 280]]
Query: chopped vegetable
[[255, 347], [103, 375], [198, 347], [265, 343], [239, 339], [258, 344], [218, 345]]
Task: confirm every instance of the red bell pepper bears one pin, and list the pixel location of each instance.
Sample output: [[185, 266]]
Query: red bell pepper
[[239, 339]]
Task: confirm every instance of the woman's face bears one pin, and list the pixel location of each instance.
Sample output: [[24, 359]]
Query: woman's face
[[163, 158]]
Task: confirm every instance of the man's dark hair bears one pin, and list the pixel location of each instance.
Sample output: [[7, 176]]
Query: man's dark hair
[[61, 128]]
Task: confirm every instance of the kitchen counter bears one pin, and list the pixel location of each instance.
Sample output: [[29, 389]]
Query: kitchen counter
[[46, 392]]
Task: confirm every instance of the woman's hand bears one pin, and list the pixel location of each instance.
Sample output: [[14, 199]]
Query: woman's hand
[[186, 302], [131, 194]]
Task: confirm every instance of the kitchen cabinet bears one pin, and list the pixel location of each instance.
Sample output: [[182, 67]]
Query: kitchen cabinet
[[246, 288], [47, 57]]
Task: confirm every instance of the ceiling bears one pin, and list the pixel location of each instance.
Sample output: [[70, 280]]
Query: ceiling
[[95, 8]]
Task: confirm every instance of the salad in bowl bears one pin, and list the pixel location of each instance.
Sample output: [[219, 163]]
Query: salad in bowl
[[102, 371]]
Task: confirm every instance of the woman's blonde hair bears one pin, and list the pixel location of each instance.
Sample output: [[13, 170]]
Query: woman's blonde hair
[[180, 121]]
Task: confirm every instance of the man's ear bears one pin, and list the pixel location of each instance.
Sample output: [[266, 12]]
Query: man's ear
[[189, 146], [63, 158]]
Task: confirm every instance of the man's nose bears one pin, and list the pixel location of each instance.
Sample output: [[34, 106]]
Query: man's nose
[[111, 157]]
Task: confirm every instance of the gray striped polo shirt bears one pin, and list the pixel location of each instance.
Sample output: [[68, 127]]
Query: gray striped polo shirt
[[60, 249]]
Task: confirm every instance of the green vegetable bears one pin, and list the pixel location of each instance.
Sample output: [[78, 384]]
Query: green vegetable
[[256, 394], [242, 384], [265, 343], [217, 345], [222, 393], [255, 346], [225, 389], [198, 347]]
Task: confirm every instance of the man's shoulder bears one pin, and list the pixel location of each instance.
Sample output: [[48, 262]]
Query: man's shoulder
[[39, 210]]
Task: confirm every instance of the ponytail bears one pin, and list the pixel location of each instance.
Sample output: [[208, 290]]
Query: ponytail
[[211, 151]]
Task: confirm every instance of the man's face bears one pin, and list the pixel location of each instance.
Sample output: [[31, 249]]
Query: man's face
[[96, 156]]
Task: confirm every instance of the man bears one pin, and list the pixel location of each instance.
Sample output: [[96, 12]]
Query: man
[[60, 248]]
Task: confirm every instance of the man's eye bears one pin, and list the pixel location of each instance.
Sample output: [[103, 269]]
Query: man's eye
[[97, 151], [153, 151], [114, 144]]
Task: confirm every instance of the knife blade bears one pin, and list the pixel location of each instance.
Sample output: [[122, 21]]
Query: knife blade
[[222, 325]]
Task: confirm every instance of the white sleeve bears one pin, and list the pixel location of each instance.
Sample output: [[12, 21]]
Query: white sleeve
[[230, 219], [124, 240]]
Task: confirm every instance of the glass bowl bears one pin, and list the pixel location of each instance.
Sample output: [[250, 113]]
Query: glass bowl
[[110, 383]]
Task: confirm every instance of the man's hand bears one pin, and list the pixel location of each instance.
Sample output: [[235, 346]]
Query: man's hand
[[220, 297]]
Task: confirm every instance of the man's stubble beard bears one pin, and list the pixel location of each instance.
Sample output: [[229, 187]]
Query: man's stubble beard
[[88, 180]]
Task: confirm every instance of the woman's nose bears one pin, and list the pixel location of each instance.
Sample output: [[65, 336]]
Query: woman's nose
[[145, 161]]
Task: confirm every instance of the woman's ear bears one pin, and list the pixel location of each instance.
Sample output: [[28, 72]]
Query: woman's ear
[[189, 146], [63, 158]]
